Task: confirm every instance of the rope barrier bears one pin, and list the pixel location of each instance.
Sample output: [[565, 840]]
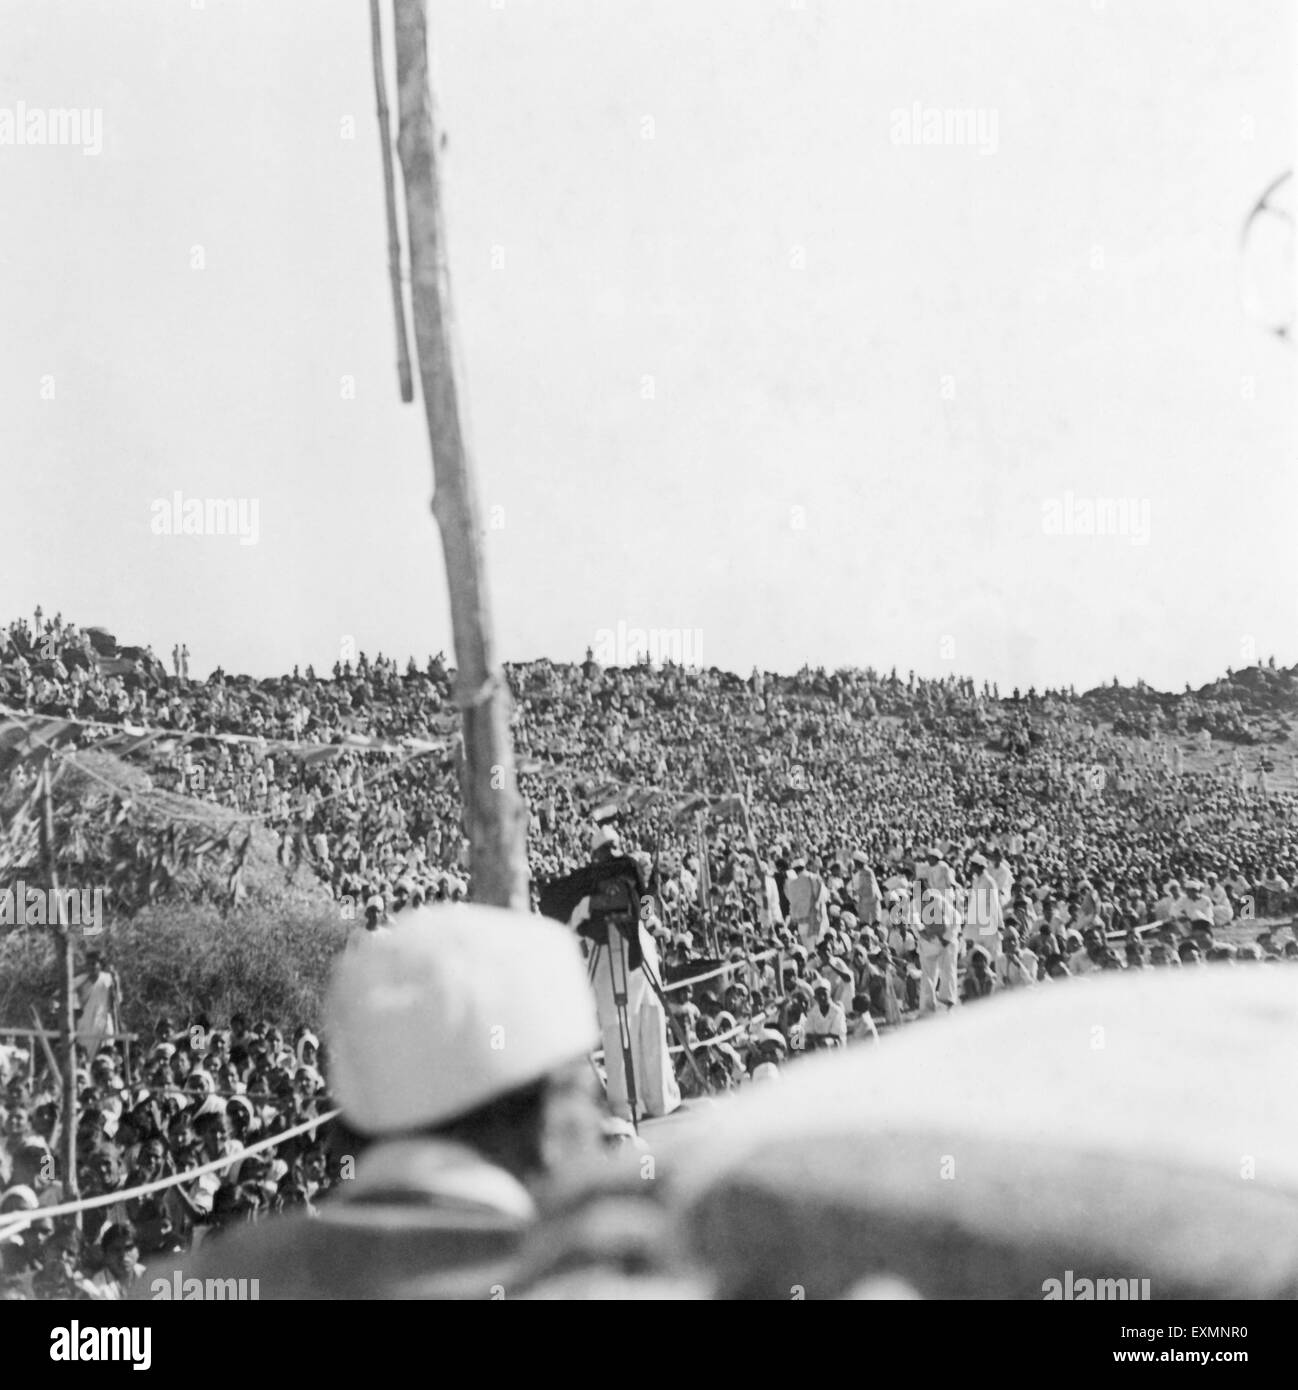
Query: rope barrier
[[701, 1044], [55, 1033], [355, 743], [70, 756], [739, 1028], [720, 1038], [358, 743], [14, 1221], [257, 1102], [721, 970]]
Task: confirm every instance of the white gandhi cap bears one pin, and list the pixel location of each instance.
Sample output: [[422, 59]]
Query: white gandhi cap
[[455, 1006]]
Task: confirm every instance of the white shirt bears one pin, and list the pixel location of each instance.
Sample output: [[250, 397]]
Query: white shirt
[[983, 917], [1002, 878], [940, 877], [1015, 973], [1198, 908], [827, 1025], [804, 894]]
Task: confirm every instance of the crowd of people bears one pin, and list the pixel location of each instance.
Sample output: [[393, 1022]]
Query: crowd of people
[[829, 763], [189, 1098], [833, 853]]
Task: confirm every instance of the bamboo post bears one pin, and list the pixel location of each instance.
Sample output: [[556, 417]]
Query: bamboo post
[[705, 886], [496, 815], [757, 859], [50, 1060], [390, 203], [69, 1020]]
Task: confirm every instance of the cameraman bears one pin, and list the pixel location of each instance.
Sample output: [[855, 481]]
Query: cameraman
[[625, 971]]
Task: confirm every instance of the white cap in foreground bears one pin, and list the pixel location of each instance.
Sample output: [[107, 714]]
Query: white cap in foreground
[[455, 1006]]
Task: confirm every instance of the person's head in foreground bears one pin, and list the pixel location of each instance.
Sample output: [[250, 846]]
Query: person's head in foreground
[[459, 1041], [471, 1025]]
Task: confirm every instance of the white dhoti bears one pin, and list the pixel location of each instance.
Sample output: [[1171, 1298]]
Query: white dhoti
[[808, 933], [937, 965], [655, 1078], [95, 1019]]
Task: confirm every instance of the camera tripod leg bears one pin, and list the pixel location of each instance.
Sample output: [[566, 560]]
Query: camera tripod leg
[[616, 944]]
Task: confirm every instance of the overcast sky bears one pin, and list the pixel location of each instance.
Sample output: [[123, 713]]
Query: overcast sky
[[742, 358]]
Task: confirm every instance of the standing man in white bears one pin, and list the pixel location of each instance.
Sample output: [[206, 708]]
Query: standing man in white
[[984, 920]]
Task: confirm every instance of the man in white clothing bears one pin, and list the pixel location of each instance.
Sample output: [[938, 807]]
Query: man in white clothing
[[836, 971], [1222, 909], [938, 874], [805, 893], [1016, 966], [771, 914], [98, 996], [825, 1022], [1001, 874], [939, 947], [1197, 904], [1165, 907], [984, 920], [865, 891]]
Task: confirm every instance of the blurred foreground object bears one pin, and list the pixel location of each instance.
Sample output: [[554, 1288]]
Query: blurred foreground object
[[1128, 1128], [458, 1044]]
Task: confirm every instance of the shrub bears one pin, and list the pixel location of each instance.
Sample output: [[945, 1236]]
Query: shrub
[[185, 959]]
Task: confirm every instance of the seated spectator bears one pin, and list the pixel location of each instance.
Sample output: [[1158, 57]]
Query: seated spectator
[[980, 981], [826, 1023]]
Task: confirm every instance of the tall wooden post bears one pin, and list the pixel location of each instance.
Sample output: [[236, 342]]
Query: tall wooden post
[[69, 1009], [705, 885], [496, 814], [765, 907], [404, 379]]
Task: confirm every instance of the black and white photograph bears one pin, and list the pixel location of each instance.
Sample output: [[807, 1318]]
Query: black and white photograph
[[648, 653]]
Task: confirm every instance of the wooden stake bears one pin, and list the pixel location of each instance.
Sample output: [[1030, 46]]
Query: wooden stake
[[496, 815], [50, 1060], [69, 1029], [748, 832], [390, 202], [760, 866]]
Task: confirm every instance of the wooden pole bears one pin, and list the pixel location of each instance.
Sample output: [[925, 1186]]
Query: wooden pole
[[43, 1035], [705, 885], [750, 836], [69, 1020], [494, 809], [760, 868], [390, 202]]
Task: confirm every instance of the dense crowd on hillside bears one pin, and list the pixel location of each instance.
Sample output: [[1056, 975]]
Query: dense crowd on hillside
[[832, 764], [838, 852]]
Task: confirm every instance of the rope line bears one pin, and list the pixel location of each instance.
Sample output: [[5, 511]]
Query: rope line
[[14, 1221], [721, 970], [357, 743]]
